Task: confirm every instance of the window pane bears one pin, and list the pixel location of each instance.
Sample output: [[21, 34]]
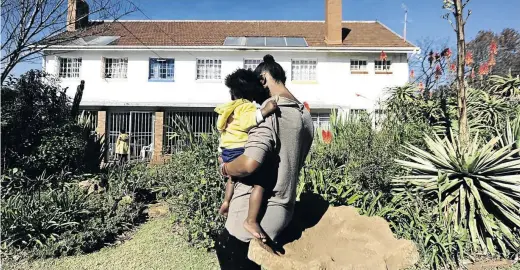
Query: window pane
[[235, 41], [116, 68], [275, 42], [296, 42], [69, 67], [208, 69], [303, 70], [251, 63], [255, 41]]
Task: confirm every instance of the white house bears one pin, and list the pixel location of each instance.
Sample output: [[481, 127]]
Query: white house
[[140, 74]]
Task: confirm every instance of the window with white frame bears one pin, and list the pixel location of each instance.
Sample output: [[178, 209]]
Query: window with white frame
[[115, 68], [381, 65], [251, 63], [69, 67], [209, 69], [161, 69], [303, 70], [358, 65], [321, 120], [356, 113]]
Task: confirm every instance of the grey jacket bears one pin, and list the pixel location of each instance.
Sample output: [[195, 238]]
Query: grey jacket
[[281, 145]]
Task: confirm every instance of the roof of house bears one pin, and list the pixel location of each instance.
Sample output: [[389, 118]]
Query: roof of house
[[213, 33]]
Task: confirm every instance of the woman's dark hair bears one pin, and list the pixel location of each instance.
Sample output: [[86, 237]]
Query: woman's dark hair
[[271, 66], [123, 131], [244, 83]]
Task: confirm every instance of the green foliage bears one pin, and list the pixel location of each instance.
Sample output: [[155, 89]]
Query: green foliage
[[505, 86], [488, 112], [195, 191], [38, 132], [50, 216], [440, 244], [357, 154], [62, 222], [477, 187]]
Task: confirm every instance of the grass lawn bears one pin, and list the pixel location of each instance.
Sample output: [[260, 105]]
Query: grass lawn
[[153, 246]]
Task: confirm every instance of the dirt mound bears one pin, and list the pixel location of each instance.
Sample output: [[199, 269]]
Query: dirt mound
[[342, 239]]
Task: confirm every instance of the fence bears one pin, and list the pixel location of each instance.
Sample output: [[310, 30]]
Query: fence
[[140, 128], [175, 123]]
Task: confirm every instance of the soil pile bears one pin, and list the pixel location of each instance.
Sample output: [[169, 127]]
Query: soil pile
[[341, 239]]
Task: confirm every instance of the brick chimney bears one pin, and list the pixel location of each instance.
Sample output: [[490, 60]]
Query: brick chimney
[[333, 25], [77, 14]]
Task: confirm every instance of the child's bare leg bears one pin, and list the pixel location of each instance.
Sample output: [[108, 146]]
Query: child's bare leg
[[255, 202], [227, 197]]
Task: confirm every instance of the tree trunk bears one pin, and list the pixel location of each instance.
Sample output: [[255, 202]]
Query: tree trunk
[[461, 63]]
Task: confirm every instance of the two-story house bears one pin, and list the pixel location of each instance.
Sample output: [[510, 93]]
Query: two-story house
[[140, 74]]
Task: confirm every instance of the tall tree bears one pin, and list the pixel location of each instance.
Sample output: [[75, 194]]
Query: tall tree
[[30, 26], [456, 8], [508, 51]]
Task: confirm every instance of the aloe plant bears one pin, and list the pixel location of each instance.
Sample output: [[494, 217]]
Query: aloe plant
[[478, 187], [507, 86], [512, 133]]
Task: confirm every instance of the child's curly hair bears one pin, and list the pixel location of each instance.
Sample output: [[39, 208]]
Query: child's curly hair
[[244, 83]]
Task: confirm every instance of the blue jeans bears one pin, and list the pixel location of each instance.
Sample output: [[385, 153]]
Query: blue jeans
[[229, 155]]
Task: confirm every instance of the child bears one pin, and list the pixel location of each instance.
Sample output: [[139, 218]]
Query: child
[[122, 146], [235, 119]]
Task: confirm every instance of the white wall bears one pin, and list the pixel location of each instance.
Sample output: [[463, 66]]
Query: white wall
[[335, 86]]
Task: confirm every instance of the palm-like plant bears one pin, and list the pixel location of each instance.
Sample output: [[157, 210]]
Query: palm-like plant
[[487, 110], [506, 86], [403, 102], [478, 186], [512, 133]]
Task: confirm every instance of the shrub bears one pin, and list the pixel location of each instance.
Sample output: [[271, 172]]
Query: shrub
[[51, 216], [195, 191], [478, 187], [441, 245], [38, 132], [358, 154]]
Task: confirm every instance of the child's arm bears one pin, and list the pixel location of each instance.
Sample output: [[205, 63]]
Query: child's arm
[[249, 116], [229, 190]]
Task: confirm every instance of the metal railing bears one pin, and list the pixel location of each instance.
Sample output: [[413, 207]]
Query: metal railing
[[140, 128], [178, 124]]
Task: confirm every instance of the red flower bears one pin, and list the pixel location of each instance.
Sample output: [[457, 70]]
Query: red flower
[[431, 94], [492, 61], [453, 67], [469, 58], [421, 86], [306, 105], [383, 56], [493, 48], [483, 69], [472, 73], [412, 74], [326, 136], [446, 53], [438, 72], [430, 58]]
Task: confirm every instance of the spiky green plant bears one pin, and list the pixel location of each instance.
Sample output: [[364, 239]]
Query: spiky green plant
[[506, 86], [487, 110], [478, 186]]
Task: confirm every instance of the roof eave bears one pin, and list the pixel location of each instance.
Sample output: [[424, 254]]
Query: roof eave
[[234, 48]]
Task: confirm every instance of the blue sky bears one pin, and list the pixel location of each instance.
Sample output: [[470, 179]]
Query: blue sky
[[424, 15]]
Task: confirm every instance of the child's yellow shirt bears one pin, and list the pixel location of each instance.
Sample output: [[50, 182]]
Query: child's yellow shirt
[[235, 120]]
